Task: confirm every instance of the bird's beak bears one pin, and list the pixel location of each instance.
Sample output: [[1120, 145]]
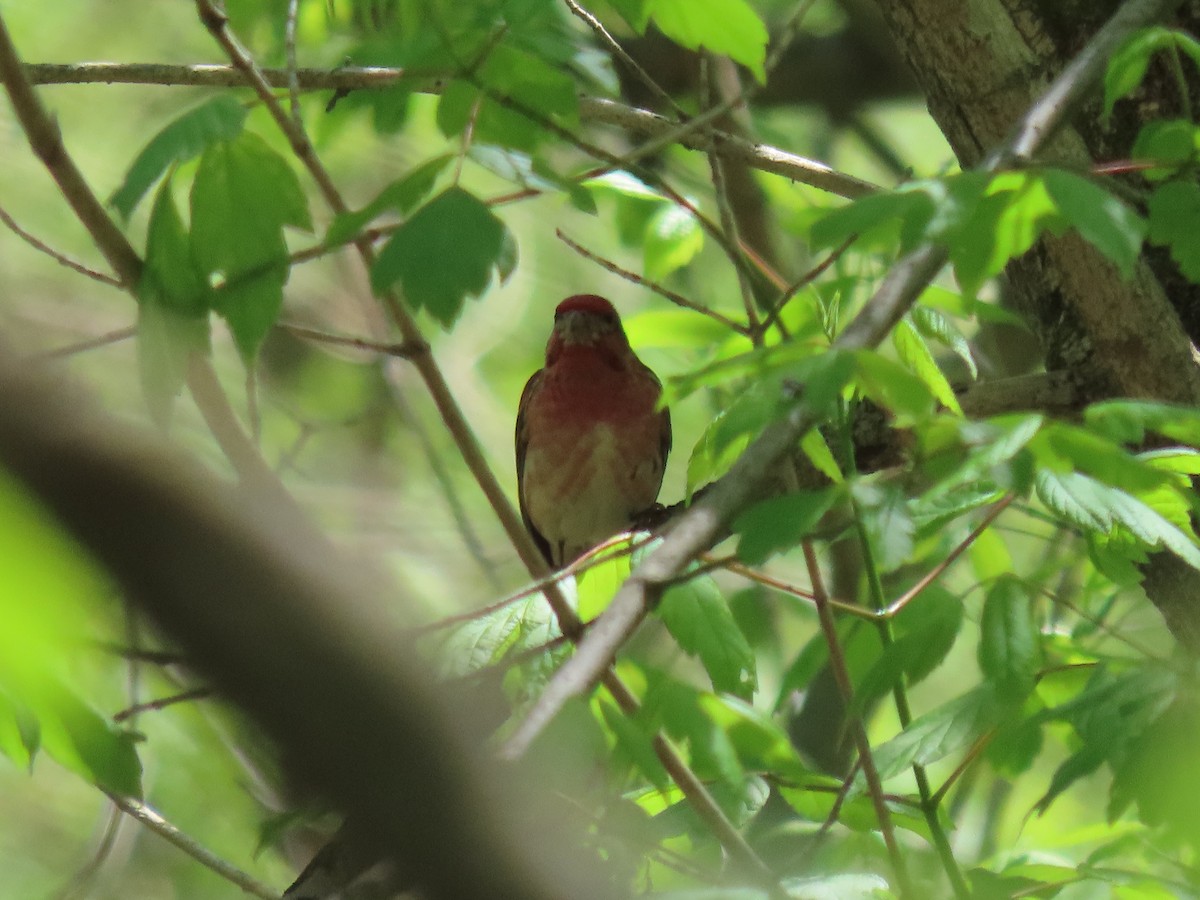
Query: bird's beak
[[579, 328]]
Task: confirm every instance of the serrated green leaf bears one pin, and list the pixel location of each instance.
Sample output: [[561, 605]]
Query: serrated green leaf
[[932, 324], [761, 744], [778, 524], [728, 27], [1088, 504], [402, 195], [243, 196], [698, 618], [1174, 208], [218, 119], [914, 353], [1009, 648], [934, 622], [442, 255], [951, 727], [909, 205], [1100, 218]]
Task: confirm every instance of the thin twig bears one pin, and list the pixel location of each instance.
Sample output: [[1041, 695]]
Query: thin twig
[[933, 574], [61, 258], [46, 141], [92, 343], [400, 351], [293, 81], [187, 696], [841, 675], [709, 83], [620, 53], [164, 829], [677, 299], [350, 78], [802, 282]]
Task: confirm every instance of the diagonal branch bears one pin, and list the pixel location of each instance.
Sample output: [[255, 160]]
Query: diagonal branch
[[702, 525], [694, 790]]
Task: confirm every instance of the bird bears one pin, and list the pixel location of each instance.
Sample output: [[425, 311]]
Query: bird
[[592, 438]]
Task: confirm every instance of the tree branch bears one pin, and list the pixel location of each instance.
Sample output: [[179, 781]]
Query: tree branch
[[351, 78], [701, 526]]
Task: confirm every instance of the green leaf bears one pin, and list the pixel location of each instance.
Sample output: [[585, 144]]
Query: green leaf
[[932, 324], [673, 238], [401, 195], [1174, 208], [1128, 64], [933, 622], [173, 304], [218, 119], [728, 27], [886, 521], [490, 638], [165, 340], [909, 204], [698, 618], [677, 708], [170, 277], [761, 744], [635, 12], [596, 585], [45, 610], [892, 386], [1100, 218], [778, 524], [444, 254], [915, 354], [935, 735], [1088, 504], [243, 196], [1169, 144], [1127, 421], [1111, 713], [1014, 212], [1009, 641], [506, 97]]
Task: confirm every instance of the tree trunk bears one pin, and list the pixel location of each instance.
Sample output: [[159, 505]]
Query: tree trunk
[[981, 64]]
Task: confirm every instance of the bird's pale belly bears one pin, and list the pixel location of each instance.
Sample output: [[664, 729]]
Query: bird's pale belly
[[589, 488]]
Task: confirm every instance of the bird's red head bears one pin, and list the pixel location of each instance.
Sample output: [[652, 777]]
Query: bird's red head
[[586, 320]]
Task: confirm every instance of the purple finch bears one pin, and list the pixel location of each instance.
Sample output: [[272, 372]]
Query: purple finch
[[591, 441]]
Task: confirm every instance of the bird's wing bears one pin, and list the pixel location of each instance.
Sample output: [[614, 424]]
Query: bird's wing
[[522, 443]]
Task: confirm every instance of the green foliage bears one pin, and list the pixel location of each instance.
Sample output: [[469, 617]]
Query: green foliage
[[219, 119], [1009, 642], [1127, 67], [698, 617], [1023, 652], [453, 226], [44, 596], [243, 195]]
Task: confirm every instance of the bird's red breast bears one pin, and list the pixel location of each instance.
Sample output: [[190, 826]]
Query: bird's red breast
[[591, 442]]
